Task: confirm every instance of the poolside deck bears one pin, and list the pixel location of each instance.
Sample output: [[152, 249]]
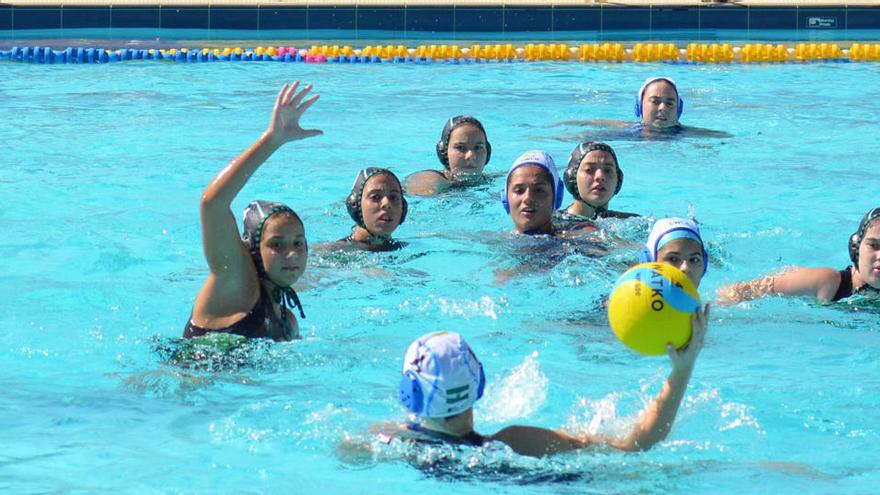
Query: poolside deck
[[462, 3]]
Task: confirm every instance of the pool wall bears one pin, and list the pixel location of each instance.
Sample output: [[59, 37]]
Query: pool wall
[[434, 16]]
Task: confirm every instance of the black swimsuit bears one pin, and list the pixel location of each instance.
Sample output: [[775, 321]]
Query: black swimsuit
[[260, 322], [845, 289], [472, 439]]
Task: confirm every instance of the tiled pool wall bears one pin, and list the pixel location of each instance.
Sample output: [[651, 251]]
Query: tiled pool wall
[[446, 19]]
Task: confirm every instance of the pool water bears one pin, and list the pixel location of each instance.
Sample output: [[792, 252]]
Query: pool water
[[103, 168]]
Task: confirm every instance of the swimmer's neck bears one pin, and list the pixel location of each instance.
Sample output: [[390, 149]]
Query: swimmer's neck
[[666, 128], [546, 229], [462, 178], [458, 426], [363, 236], [582, 209], [859, 283]]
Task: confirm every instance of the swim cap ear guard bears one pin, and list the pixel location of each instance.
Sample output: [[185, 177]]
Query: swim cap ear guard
[[856, 238], [355, 197], [417, 393], [451, 124], [668, 229], [641, 94], [574, 164], [541, 159], [413, 398]]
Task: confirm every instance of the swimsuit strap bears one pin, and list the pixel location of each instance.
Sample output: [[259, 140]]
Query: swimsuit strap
[[845, 289]]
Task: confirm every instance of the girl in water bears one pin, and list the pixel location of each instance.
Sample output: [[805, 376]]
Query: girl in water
[[248, 289], [658, 106], [593, 177], [464, 151], [678, 242], [825, 284], [377, 206]]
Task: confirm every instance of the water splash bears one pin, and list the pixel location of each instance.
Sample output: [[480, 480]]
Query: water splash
[[518, 395], [482, 307]]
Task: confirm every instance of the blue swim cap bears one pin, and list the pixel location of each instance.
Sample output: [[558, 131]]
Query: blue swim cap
[[668, 229], [541, 159], [641, 94]]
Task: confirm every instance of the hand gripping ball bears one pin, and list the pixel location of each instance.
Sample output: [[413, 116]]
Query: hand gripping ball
[[651, 305]]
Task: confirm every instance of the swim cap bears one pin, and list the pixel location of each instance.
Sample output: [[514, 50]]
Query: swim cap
[[354, 199], [574, 164], [856, 238], [451, 124], [254, 219], [543, 160], [442, 376], [668, 229], [649, 81]]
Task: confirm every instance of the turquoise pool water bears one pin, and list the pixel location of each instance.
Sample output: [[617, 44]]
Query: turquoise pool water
[[103, 167]]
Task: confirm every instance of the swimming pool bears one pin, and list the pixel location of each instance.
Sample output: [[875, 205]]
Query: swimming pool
[[103, 170]]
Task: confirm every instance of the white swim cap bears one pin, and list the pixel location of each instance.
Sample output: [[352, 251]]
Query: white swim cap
[[441, 376], [668, 229], [541, 159]]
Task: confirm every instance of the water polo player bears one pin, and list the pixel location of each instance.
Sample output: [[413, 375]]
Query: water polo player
[[532, 192], [658, 103], [248, 288], [464, 151], [593, 177], [443, 378], [677, 241], [658, 106], [825, 284], [377, 206]]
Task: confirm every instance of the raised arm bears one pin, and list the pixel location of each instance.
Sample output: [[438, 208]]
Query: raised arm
[[228, 260], [656, 420], [821, 283], [653, 425]]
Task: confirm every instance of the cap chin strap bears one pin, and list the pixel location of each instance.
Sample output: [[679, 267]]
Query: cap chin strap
[[374, 238], [598, 211], [287, 298]]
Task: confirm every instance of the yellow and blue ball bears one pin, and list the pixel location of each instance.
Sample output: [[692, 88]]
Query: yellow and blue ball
[[651, 306]]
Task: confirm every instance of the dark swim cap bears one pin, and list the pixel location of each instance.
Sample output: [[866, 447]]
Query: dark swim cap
[[856, 238], [254, 219], [574, 164], [354, 199], [451, 124]]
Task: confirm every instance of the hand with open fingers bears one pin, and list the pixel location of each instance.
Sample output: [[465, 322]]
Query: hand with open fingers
[[289, 108], [684, 358]]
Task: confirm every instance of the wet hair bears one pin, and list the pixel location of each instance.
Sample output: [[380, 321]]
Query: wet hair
[[355, 197], [856, 238], [574, 164], [451, 124], [254, 218]]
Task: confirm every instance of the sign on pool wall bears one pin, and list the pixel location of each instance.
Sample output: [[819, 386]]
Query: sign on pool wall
[[827, 22]]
